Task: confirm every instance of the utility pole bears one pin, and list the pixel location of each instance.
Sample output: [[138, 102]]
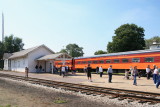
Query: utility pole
[[2, 27]]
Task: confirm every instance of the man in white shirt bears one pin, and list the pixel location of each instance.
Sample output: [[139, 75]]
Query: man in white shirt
[[101, 71]]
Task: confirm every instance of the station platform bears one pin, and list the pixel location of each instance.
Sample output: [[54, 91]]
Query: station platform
[[80, 78]]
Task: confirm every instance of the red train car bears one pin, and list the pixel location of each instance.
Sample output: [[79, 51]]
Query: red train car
[[119, 61]]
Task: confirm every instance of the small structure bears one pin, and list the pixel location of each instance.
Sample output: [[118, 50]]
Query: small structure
[[39, 55], [155, 45], [26, 58], [49, 60]]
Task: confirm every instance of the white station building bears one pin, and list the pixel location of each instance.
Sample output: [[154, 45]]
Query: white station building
[[39, 55]]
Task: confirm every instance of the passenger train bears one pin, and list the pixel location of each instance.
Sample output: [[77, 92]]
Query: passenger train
[[119, 61]]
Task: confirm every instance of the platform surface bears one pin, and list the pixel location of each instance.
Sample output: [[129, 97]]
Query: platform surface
[[117, 81]]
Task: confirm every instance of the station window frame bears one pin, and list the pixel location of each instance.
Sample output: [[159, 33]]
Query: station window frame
[[135, 59], [116, 61], [108, 61], [125, 60], [151, 59]]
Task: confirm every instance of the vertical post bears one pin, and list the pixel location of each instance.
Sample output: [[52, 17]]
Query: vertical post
[[63, 58], [2, 27], [52, 66]]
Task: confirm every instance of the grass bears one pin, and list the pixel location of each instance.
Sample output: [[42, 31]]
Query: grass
[[8, 106], [60, 101]]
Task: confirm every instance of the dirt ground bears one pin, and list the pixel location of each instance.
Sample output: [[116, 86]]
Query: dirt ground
[[14, 94]]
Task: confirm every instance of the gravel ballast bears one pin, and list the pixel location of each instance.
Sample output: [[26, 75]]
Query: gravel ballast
[[24, 94]]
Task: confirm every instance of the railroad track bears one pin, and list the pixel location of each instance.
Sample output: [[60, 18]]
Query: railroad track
[[121, 94]]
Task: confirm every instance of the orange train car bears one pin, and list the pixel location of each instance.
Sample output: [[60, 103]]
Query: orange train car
[[119, 61]]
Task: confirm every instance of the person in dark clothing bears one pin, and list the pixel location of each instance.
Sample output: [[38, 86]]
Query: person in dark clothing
[[97, 69], [26, 72], [40, 68], [89, 69], [36, 68]]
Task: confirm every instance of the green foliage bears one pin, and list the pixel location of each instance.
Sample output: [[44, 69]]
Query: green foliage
[[12, 44], [100, 52], [6, 105], [63, 51], [128, 37], [150, 41], [73, 50], [60, 101]]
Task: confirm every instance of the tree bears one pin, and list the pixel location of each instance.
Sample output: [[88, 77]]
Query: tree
[[63, 51], [100, 52], [12, 44], [73, 50], [150, 41], [128, 37]]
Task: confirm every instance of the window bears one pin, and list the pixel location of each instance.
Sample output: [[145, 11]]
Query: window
[[95, 62], [101, 61], [149, 59], [84, 62], [78, 62], [89, 62], [108, 61], [116, 60], [125, 60], [135, 59]]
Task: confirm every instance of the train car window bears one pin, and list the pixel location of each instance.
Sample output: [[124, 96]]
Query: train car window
[[84, 62], [95, 62], [101, 61], [149, 59], [125, 60], [89, 62], [116, 60], [79, 62], [135, 59], [108, 61]]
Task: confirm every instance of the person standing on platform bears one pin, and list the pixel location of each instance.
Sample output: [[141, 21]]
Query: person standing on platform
[[36, 67], [40, 68], [135, 73], [89, 69], [97, 69], [131, 71], [110, 71], [85, 70], [63, 70], [101, 71], [26, 72], [158, 81], [155, 75], [148, 72]]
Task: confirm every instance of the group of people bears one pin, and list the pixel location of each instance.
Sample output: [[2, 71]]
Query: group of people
[[65, 69], [88, 71], [134, 73], [38, 69], [156, 74]]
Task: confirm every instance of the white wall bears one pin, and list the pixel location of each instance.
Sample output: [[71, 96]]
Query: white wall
[[19, 64], [5, 64], [35, 55]]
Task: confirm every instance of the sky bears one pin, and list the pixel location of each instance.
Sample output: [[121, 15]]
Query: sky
[[88, 23]]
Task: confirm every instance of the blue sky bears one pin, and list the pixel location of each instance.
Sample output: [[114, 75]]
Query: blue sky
[[88, 23]]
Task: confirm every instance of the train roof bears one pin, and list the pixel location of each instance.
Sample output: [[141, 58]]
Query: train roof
[[121, 53]]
